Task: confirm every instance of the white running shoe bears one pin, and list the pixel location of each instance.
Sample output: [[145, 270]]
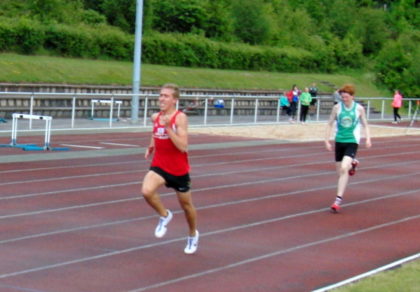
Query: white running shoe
[[160, 230], [192, 243]]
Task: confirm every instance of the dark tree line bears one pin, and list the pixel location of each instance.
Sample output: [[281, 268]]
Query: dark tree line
[[383, 34]]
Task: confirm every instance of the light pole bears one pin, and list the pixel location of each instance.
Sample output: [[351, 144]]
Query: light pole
[[137, 63]]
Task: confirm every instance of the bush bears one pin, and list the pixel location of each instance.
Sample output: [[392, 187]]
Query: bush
[[196, 51], [23, 36], [397, 65]]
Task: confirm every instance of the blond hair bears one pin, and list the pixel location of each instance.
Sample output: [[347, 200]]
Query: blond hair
[[174, 87]]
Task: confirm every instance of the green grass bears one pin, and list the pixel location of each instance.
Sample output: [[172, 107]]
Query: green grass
[[405, 278], [45, 69]]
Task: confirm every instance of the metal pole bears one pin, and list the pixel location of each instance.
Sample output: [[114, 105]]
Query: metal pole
[[382, 109], [232, 110], [146, 104], [137, 63], [73, 111], [256, 111], [111, 111], [31, 111], [318, 106], [206, 106]]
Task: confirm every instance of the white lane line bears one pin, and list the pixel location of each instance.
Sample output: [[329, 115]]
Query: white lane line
[[218, 205], [192, 157], [250, 260], [264, 181], [119, 144], [82, 146], [370, 273], [9, 197], [274, 254]]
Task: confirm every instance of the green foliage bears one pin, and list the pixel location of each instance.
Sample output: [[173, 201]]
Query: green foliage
[[120, 13], [371, 31], [347, 52], [196, 51], [318, 35], [219, 24], [251, 24], [398, 64], [181, 16]]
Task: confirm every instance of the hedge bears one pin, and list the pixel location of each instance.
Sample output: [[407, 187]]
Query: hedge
[[102, 41]]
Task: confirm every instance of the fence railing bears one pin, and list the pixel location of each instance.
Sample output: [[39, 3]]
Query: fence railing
[[92, 110]]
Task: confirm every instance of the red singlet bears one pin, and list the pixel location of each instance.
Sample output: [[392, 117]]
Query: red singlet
[[167, 156]]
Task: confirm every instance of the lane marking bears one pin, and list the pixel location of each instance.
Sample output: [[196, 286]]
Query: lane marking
[[218, 205], [119, 144], [82, 146], [198, 190], [247, 261], [7, 197], [276, 253], [370, 273], [231, 153]]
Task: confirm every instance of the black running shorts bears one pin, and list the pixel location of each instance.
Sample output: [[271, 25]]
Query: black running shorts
[[180, 184], [345, 149]]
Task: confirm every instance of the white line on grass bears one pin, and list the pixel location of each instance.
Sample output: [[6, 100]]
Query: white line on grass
[[368, 274]]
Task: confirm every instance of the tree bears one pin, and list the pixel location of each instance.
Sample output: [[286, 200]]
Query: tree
[[397, 65], [120, 13], [371, 30], [182, 16], [251, 23]]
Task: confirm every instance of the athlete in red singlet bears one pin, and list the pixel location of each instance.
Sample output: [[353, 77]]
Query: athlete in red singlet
[[170, 167]]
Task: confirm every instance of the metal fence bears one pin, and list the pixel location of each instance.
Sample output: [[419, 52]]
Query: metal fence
[[98, 111]]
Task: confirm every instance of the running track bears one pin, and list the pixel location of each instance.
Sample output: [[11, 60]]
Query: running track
[[75, 221]]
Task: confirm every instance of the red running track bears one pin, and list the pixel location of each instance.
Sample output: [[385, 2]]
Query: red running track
[[80, 224]]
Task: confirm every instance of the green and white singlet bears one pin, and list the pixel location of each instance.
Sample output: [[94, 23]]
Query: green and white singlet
[[348, 124]]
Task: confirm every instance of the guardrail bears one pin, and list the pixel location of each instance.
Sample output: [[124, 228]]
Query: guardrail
[[75, 109]]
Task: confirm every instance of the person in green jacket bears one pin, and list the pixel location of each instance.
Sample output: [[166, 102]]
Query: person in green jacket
[[305, 102]]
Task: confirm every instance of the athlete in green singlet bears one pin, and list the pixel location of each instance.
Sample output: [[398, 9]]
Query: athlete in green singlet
[[348, 116]]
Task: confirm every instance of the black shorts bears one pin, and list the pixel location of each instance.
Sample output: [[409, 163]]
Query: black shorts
[[180, 184], [345, 149]]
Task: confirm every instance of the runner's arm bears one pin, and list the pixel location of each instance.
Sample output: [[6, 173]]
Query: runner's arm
[[151, 148], [365, 125], [180, 136], [328, 130]]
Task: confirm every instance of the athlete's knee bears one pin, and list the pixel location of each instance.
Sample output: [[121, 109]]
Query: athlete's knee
[[344, 169], [147, 191]]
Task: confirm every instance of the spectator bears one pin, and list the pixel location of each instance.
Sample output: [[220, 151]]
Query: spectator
[[396, 104], [305, 101], [284, 104], [313, 90], [337, 97], [220, 103], [293, 96]]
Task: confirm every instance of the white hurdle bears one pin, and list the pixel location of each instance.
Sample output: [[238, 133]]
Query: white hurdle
[[109, 102], [47, 136]]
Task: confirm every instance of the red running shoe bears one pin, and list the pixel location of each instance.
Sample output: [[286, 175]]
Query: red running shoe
[[335, 208], [354, 165]]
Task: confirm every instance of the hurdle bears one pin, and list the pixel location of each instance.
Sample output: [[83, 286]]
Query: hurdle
[[109, 102], [28, 147]]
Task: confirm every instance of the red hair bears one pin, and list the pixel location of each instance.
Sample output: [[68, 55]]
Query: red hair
[[347, 88]]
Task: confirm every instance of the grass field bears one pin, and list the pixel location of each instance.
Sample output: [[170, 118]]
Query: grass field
[[405, 278], [45, 69]]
